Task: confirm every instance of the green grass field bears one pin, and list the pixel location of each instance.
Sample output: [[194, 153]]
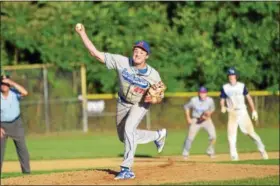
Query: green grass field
[[94, 145]]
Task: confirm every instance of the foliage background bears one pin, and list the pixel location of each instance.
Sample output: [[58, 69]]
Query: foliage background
[[192, 42]]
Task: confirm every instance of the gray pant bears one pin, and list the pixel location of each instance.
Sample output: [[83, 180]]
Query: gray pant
[[193, 130], [15, 131], [128, 118]]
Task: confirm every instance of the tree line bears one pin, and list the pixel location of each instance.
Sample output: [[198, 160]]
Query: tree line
[[192, 43]]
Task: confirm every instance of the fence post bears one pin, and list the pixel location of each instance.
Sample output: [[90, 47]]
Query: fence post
[[46, 98], [257, 108], [262, 109], [84, 97]]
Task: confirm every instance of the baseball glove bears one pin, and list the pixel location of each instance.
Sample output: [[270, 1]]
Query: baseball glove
[[204, 116], [155, 93]]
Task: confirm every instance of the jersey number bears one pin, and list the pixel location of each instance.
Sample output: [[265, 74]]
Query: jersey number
[[139, 90]]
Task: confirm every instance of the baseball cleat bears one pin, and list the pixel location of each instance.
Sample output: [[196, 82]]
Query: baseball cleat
[[210, 152], [185, 157], [234, 158], [211, 155], [185, 153], [125, 174], [264, 155], [160, 142]]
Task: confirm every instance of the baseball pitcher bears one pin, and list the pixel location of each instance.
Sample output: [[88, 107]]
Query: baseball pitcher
[[140, 86], [233, 94], [202, 108]]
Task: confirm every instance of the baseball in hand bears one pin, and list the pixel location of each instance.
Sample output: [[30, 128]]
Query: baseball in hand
[[79, 27]]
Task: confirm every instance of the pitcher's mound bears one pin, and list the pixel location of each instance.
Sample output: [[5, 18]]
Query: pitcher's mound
[[167, 172]]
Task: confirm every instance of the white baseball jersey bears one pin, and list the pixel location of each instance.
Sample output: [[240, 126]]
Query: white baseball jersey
[[133, 83], [234, 95], [235, 100]]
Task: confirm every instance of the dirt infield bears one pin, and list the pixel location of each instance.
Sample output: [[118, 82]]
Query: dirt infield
[[148, 171]]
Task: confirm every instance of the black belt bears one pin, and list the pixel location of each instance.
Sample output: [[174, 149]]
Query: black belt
[[123, 99], [12, 120]]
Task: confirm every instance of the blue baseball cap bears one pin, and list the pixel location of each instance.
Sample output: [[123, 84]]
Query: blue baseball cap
[[202, 89], [232, 71], [144, 45]]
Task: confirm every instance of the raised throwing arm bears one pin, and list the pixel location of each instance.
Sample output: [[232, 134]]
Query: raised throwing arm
[[80, 29]]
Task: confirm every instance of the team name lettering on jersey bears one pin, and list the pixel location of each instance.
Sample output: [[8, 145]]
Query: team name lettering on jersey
[[131, 78]]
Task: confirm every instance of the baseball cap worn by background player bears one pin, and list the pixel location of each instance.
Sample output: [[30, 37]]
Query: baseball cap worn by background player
[[144, 45], [202, 89], [231, 71]]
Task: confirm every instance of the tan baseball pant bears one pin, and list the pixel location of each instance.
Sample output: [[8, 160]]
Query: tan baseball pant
[[242, 119]]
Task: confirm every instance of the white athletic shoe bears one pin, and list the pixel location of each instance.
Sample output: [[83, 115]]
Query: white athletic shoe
[[211, 155], [160, 142], [210, 152], [234, 158], [185, 157], [264, 155]]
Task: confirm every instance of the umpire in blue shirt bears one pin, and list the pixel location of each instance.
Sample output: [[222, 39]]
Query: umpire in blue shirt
[[11, 123]]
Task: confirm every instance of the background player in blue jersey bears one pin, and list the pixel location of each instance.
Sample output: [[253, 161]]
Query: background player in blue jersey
[[202, 108]]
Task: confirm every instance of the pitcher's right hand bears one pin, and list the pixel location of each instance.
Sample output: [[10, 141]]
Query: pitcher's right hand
[[80, 28]]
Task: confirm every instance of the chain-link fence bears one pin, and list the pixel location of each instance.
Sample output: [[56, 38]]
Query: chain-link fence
[[56, 103], [102, 116], [170, 114], [52, 103]]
